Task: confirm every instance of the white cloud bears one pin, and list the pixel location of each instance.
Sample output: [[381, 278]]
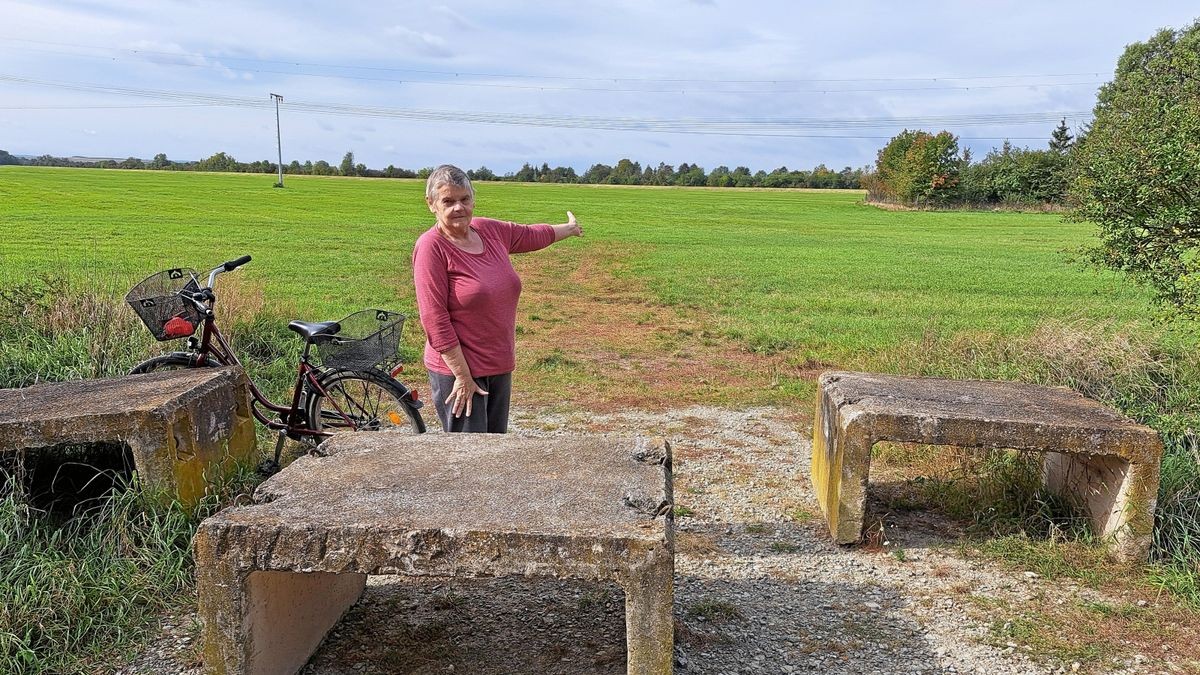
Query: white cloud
[[170, 54], [210, 45], [427, 44], [457, 20]]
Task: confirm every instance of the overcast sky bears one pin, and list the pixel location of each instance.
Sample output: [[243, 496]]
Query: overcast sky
[[731, 82]]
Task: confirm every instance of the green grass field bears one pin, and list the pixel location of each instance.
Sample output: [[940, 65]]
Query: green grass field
[[817, 273], [675, 296]]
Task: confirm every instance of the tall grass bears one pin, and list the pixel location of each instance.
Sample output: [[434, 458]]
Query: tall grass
[[52, 331], [71, 592], [60, 327], [76, 592]]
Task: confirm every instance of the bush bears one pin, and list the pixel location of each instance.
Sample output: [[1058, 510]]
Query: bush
[[1138, 177], [918, 168], [1018, 176]]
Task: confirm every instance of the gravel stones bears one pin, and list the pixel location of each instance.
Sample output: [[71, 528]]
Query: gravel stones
[[759, 586]]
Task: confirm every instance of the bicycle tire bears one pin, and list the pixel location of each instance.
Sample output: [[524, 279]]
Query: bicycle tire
[[371, 399], [172, 361]]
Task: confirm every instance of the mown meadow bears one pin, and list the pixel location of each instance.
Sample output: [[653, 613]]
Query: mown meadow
[[817, 271], [674, 296]]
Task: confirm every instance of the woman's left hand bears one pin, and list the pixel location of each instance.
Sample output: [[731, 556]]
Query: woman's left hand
[[573, 228], [570, 228]]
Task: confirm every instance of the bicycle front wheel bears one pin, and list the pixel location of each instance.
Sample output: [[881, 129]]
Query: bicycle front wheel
[[172, 361], [362, 400]]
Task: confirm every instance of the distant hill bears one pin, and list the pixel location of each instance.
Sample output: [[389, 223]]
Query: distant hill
[[92, 160], [81, 159]]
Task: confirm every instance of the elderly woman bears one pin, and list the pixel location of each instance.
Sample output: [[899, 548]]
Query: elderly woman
[[467, 294]]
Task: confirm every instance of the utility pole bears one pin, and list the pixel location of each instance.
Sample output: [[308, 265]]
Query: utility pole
[[278, 141]]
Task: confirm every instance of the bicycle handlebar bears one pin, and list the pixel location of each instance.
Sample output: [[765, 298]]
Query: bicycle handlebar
[[198, 299], [228, 266], [234, 264]]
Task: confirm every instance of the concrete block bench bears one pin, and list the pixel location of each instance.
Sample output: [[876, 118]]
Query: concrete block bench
[[179, 425], [1103, 460], [274, 577]]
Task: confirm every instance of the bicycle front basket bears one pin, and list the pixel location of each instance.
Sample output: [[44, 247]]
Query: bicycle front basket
[[157, 303], [364, 340]]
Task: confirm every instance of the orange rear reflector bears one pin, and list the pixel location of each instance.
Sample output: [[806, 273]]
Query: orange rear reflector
[[395, 417]]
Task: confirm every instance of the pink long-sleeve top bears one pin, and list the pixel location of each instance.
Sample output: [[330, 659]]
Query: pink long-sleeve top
[[470, 299]]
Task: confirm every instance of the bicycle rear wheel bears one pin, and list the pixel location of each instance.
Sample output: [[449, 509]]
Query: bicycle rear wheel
[[362, 400], [172, 361]]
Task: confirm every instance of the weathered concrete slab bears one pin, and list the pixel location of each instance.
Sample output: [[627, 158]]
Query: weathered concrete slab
[[1107, 462], [180, 425], [444, 505]]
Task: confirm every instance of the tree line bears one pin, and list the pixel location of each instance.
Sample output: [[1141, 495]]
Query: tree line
[[920, 168], [1134, 171], [624, 172]]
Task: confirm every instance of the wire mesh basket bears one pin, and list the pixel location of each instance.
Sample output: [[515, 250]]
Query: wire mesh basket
[[366, 339], [157, 303]]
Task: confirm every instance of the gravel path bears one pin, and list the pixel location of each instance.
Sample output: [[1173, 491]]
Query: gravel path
[[760, 588]]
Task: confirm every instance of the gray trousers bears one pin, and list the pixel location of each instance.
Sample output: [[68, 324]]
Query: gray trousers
[[489, 414]]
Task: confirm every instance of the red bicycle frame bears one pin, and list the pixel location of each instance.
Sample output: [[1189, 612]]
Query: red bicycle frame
[[213, 344]]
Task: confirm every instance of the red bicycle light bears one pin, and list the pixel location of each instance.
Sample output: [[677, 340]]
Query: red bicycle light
[[178, 327], [415, 395], [397, 370]]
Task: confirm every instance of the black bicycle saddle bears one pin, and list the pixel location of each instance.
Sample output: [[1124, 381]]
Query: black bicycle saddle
[[317, 329]]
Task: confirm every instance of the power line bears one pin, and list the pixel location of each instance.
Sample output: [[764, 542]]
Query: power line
[[449, 73], [105, 107], [825, 91], [743, 127], [1038, 117]]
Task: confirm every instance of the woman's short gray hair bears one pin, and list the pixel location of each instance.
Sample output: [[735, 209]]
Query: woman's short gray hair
[[447, 174]]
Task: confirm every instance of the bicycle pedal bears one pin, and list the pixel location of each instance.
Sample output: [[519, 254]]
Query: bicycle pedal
[[268, 468]]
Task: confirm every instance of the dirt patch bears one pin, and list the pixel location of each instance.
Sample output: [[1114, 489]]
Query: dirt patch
[[599, 336], [591, 337]]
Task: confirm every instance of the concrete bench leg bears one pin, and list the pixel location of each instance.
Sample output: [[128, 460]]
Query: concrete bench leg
[[841, 463], [290, 613], [1111, 489], [649, 619], [266, 621]]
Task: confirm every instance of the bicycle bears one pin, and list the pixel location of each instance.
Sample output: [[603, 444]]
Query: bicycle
[[350, 386]]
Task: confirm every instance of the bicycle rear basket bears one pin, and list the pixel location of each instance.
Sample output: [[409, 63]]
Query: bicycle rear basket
[[157, 303], [365, 340]]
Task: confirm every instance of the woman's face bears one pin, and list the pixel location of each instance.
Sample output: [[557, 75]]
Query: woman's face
[[453, 206]]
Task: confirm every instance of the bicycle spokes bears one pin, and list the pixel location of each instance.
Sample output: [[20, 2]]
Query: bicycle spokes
[[357, 407]]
